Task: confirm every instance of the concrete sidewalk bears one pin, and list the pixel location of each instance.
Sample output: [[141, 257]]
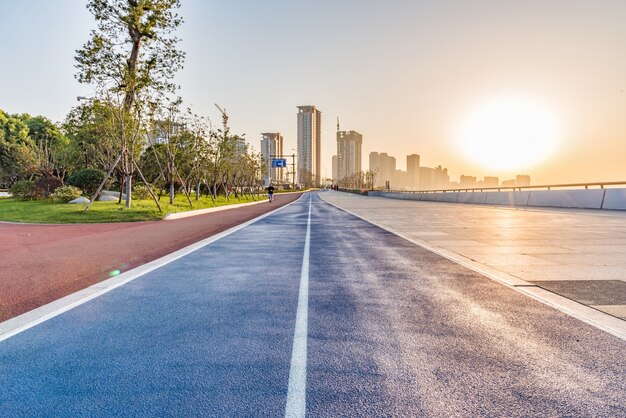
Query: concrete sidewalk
[[577, 254]]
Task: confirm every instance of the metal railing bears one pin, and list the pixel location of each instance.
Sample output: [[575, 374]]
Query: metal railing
[[600, 185]]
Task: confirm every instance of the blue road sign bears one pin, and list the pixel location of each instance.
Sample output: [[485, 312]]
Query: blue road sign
[[279, 162]]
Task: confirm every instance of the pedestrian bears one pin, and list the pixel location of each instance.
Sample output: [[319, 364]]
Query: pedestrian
[[270, 193]]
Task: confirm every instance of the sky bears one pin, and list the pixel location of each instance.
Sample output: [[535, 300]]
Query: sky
[[407, 75]]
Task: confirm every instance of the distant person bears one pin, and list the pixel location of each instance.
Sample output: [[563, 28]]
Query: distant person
[[270, 193]]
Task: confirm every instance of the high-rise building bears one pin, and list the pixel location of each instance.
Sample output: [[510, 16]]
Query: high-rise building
[[348, 153], [241, 146], [272, 147], [384, 166], [335, 170], [413, 171], [309, 145], [433, 178]]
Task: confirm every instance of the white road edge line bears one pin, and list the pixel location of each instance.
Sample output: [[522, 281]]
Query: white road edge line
[[21, 323], [296, 392], [593, 317]]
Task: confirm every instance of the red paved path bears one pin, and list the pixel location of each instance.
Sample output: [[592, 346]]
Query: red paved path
[[42, 263]]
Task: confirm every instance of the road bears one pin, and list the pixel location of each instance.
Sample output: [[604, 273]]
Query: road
[[312, 310]]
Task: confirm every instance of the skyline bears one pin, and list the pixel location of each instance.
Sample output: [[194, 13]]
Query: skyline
[[405, 76]]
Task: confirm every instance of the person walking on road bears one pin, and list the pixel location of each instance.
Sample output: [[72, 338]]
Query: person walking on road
[[270, 193]]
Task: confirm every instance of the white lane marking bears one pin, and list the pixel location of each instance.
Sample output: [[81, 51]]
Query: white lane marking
[[296, 393], [591, 316], [29, 319]]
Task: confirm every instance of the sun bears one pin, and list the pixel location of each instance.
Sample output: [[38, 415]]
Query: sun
[[508, 134]]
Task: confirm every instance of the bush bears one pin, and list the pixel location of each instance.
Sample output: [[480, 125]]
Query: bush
[[66, 193], [25, 190], [87, 179], [47, 185], [140, 191]]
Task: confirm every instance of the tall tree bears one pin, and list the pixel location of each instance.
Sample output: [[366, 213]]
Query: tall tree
[[131, 59]]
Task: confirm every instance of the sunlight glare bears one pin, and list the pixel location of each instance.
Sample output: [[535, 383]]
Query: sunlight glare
[[508, 135]]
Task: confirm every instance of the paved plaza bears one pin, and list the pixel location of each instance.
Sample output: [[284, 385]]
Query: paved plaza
[[579, 254]]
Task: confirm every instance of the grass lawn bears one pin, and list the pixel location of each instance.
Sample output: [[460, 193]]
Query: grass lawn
[[47, 212]]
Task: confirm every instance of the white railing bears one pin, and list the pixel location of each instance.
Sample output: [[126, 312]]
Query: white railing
[[601, 185]]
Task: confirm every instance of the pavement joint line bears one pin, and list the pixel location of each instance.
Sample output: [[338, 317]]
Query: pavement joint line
[[20, 323], [591, 316], [296, 392]]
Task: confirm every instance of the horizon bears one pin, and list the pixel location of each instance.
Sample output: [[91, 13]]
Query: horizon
[[409, 77]]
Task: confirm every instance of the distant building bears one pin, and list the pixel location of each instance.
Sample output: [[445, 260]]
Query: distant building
[[241, 146], [412, 171], [522, 180], [272, 147], [400, 180], [385, 167], [426, 178], [163, 131], [335, 169], [309, 145], [508, 183], [441, 177], [490, 182], [348, 153], [433, 178], [468, 182]]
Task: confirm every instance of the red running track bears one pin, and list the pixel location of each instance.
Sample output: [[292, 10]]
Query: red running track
[[42, 263]]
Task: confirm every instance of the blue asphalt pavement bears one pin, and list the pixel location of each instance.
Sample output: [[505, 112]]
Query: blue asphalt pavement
[[373, 325]]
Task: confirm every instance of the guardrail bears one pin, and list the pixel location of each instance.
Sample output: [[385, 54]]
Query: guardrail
[[601, 185], [595, 195]]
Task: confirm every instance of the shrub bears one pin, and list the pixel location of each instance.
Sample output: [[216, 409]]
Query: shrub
[[47, 185], [24, 190], [87, 179], [66, 193], [140, 191]]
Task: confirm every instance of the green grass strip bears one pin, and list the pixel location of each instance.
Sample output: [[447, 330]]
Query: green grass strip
[[48, 212]]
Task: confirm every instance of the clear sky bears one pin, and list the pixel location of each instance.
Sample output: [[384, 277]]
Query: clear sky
[[406, 74]]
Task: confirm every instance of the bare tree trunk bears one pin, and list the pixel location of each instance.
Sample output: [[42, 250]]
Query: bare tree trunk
[[122, 184], [117, 160], [128, 183], [147, 186], [184, 187]]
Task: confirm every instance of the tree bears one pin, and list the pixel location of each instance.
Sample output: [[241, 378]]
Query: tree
[[50, 146], [17, 158], [131, 59], [93, 142], [169, 128]]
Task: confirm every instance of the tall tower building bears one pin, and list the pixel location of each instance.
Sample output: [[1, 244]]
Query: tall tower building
[[309, 145], [348, 153], [272, 147], [413, 171], [335, 171]]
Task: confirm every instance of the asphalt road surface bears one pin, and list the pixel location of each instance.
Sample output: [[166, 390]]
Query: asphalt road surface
[[312, 310]]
